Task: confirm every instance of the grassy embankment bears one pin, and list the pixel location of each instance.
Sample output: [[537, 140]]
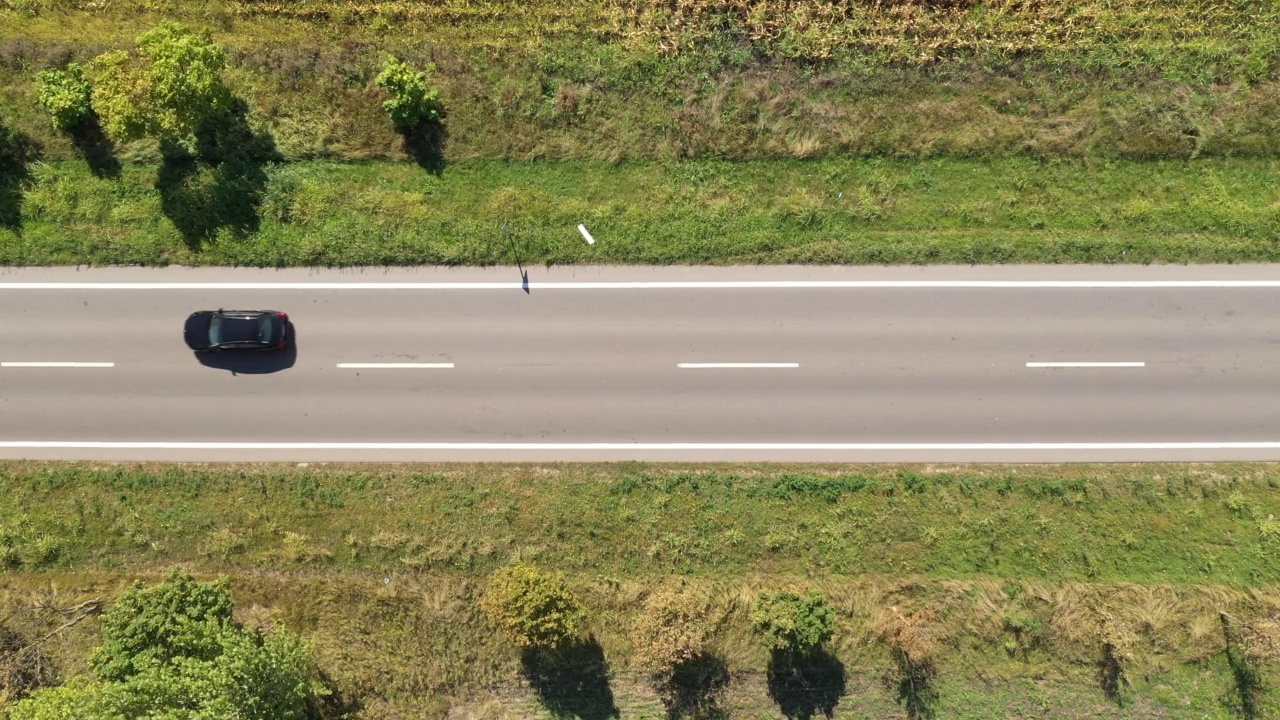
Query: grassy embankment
[[1011, 569], [1131, 131]]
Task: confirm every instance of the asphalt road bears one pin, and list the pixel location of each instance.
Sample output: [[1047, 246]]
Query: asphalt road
[[562, 371]]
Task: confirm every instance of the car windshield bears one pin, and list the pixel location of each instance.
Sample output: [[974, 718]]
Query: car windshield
[[224, 330]]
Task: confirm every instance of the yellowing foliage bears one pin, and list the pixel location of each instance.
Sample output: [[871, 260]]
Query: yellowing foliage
[[531, 607], [673, 627]]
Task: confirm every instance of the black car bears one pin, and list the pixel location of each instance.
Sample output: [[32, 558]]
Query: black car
[[236, 330]]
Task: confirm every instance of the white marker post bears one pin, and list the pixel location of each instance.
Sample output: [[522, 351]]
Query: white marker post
[[586, 235]]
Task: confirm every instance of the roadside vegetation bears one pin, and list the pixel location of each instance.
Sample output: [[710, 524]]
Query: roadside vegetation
[[943, 210], [594, 591], [868, 132], [174, 650]]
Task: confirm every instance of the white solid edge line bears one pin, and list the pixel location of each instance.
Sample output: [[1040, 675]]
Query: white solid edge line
[[1086, 364], [654, 446], [654, 285], [705, 366], [57, 364], [396, 366]]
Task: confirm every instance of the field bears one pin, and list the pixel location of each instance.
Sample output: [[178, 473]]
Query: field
[[1015, 572], [869, 132]]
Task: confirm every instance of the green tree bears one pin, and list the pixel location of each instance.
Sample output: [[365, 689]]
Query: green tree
[[66, 95], [121, 95], [147, 625], [532, 608], [792, 622], [172, 652], [411, 102], [167, 89]]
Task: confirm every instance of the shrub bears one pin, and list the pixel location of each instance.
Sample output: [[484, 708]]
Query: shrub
[[149, 625], [248, 679], [168, 89], [532, 608], [66, 95], [173, 651], [791, 622], [673, 628], [121, 95], [411, 103]]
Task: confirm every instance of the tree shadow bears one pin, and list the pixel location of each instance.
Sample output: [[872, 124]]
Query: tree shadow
[[1111, 675], [693, 690], [97, 149], [335, 705], [425, 143], [220, 184], [253, 362], [571, 682], [17, 152], [805, 684], [914, 685], [1249, 685]]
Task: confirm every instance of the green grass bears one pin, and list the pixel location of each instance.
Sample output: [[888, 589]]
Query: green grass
[[381, 568], [1134, 131], [1169, 525], [781, 211]]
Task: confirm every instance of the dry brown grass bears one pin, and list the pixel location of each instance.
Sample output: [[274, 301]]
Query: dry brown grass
[[924, 31], [1262, 639]]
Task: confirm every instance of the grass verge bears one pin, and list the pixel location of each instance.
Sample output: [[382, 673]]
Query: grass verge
[[1024, 572], [767, 211]]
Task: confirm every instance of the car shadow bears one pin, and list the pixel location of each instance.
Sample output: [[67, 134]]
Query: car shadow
[[253, 362]]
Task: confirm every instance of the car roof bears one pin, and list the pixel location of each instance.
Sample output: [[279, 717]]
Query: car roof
[[236, 327]]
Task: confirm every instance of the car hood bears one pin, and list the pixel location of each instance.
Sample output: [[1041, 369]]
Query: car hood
[[196, 331]]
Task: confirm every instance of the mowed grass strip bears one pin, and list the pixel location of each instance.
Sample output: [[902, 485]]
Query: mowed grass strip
[[778, 211], [1193, 524], [382, 569]]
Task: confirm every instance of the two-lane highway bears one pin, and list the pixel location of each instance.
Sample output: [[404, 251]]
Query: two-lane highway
[[1009, 363]]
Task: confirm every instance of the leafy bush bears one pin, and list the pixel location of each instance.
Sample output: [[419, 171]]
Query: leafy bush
[[121, 95], [178, 618], [168, 89], [411, 103], [66, 95], [532, 608], [673, 628], [791, 622], [248, 679], [173, 651]]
